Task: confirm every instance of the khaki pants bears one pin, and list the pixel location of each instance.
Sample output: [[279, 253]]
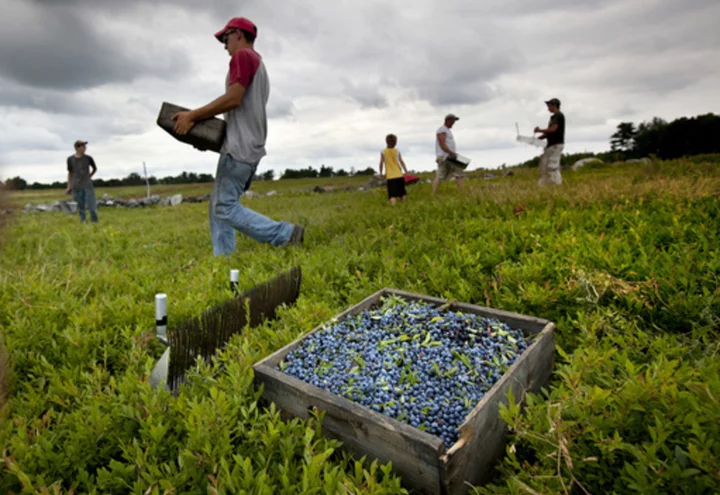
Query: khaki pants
[[549, 169], [446, 168]]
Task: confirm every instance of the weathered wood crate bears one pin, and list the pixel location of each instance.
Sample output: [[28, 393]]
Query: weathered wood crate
[[207, 134], [425, 464]]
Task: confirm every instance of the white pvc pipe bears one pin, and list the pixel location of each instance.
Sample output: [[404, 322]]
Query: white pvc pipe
[[161, 314], [234, 280]]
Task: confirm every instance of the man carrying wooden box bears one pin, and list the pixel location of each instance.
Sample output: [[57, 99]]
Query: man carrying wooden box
[[244, 108]]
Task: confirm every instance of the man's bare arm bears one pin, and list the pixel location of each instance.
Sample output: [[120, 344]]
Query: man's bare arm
[[233, 97], [552, 128], [382, 161], [402, 163], [69, 182], [441, 139]]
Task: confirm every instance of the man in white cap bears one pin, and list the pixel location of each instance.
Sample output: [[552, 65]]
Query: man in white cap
[[444, 153], [244, 108]]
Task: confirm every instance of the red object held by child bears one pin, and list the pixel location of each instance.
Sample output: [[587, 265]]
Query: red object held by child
[[411, 179]]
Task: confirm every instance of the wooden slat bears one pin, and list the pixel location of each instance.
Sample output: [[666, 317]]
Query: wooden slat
[[483, 431], [415, 455]]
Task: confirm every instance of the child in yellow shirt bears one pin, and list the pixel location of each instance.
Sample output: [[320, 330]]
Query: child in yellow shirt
[[392, 159]]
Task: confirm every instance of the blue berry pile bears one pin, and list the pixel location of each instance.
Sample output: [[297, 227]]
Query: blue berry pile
[[409, 360]]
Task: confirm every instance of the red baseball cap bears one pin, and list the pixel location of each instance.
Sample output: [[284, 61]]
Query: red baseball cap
[[237, 23]]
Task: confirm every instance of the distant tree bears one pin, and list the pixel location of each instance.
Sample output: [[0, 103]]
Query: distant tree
[[690, 136], [341, 173], [302, 173], [16, 183], [624, 138], [649, 136], [133, 179], [367, 171], [325, 171], [267, 175]]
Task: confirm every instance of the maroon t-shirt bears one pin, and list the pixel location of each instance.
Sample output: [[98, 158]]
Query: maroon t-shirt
[[243, 65]]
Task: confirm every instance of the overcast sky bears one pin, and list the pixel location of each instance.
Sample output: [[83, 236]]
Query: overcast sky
[[343, 74]]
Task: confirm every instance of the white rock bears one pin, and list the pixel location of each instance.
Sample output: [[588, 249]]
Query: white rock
[[68, 206], [581, 163]]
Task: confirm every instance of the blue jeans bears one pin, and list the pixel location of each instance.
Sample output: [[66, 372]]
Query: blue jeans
[[85, 199], [232, 179]]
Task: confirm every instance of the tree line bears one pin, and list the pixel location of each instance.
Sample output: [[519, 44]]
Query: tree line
[[311, 173], [668, 140], [135, 179]]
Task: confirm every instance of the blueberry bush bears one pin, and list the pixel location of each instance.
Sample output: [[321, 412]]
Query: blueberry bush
[[623, 258]]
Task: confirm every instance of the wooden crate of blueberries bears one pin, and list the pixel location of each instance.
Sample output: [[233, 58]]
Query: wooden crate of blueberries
[[416, 381]]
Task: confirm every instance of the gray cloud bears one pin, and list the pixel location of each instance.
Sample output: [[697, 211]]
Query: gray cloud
[[366, 94], [216, 6], [279, 107], [49, 100], [52, 46]]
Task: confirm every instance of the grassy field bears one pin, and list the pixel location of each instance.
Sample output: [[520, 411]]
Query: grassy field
[[624, 259]]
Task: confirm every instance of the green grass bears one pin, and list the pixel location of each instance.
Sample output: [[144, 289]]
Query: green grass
[[624, 259]]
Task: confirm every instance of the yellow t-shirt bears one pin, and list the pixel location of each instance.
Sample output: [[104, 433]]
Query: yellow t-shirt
[[392, 164]]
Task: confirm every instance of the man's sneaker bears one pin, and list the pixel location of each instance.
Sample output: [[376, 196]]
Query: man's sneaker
[[296, 237]]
